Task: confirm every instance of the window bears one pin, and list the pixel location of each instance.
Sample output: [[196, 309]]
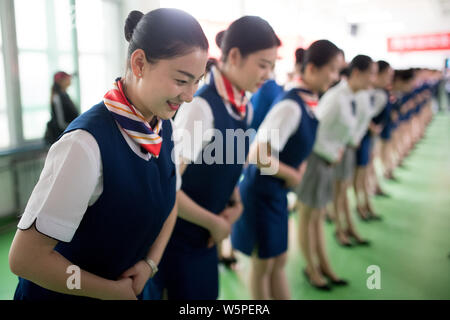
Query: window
[[4, 133], [101, 57], [45, 44]]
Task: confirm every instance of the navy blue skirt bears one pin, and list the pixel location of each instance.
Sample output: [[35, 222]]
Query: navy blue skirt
[[386, 132], [186, 273], [364, 150], [263, 226]]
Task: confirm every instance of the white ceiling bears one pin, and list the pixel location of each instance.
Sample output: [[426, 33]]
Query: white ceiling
[[309, 20]]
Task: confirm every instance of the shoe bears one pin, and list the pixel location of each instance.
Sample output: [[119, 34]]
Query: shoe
[[362, 215], [343, 244], [364, 243], [392, 178], [381, 193], [371, 215], [227, 261], [339, 283], [323, 287], [328, 219], [375, 217], [361, 242]]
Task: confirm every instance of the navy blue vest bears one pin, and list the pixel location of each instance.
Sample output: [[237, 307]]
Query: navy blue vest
[[211, 185], [263, 100], [120, 227], [300, 144], [296, 150], [382, 117]]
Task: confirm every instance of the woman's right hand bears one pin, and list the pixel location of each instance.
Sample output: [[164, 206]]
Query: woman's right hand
[[296, 177], [219, 231]]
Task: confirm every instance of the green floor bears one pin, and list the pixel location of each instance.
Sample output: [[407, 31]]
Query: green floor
[[411, 245]]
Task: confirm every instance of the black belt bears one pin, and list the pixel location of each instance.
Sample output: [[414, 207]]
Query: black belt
[[327, 162]]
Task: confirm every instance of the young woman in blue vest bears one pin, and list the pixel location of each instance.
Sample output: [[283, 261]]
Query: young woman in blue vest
[[383, 120], [402, 87], [262, 230], [267, 95], [209, 201], [364, 172], [387, 135], [105, 203], [383, 85]]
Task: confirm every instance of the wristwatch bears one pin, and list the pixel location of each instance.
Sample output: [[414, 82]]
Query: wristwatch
[[153, 266]]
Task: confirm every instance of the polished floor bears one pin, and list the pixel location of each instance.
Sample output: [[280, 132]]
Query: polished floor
[[411, 245]]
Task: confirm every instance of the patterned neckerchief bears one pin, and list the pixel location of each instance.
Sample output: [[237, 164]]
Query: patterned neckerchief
[[132, 121]]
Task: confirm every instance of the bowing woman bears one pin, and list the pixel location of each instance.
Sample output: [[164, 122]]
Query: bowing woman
[[262, 230], [209, 198], [106, 199]]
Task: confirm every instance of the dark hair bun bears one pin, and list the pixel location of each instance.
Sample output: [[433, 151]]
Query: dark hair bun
[[211, 62], [131, 23], [299, 55], [219, 38]]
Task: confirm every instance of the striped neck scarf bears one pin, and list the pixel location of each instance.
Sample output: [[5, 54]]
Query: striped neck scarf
[[229, 92], [132, 121], [310, 98]]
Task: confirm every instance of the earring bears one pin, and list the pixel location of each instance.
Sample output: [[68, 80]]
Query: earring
[[140, 75]]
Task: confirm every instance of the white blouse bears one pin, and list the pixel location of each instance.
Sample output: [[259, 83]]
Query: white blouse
[[336, 122], [71, 180], [283, 118], [197, 114]]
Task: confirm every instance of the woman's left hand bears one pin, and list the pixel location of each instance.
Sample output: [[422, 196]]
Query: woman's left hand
[[139, 273]]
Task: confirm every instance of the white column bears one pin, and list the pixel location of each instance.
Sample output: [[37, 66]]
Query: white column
[[11, 63]]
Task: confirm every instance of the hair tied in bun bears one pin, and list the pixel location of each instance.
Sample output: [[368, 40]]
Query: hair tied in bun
[[219, 38], [131, 23]]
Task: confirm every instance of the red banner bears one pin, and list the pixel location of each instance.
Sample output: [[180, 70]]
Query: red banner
[[425, 42]]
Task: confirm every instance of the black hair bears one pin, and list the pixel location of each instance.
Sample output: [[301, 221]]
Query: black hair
[[344, 72], [382, 66], [299, 55], [360, 62], [249, 34], [163, 33], [219, 38], [403, 75], [319, 53], [397, 74], [210, 63]]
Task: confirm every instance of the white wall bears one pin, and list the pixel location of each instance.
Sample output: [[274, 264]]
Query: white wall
[[303, 21]]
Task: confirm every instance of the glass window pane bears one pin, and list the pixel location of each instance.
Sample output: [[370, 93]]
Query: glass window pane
[[44, 35], [34, 122], [90, 26], [101, 54], [64, 21], [2, 84], [93, 84], [35, 93], [4, 133], [66, 63], [31, 24]]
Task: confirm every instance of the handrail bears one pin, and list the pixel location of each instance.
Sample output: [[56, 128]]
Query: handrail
[[41, 146]]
